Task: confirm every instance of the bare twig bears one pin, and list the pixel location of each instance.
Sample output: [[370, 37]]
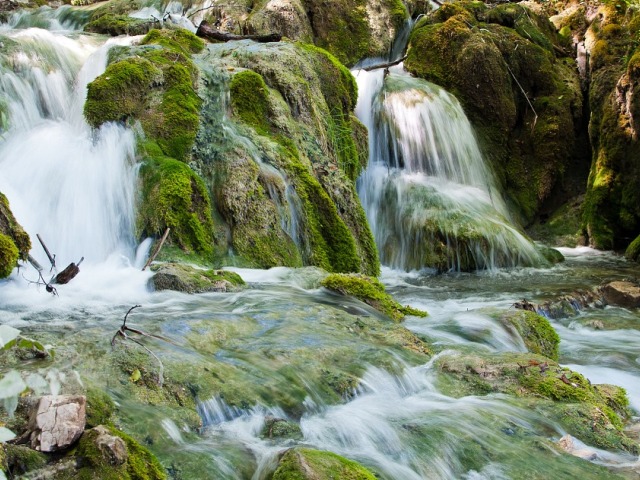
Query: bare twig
[[384, 65], [535, 118], [52, 258], [157, 250]]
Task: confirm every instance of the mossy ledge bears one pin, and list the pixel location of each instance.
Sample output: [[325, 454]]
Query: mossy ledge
[[309, 464], [594, 413], [370, 291], [536, 332], [154, 83]]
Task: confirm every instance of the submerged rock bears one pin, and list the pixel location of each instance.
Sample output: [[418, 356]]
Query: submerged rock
[[187, 279], [536, 331], [624, 294], [308, 464]]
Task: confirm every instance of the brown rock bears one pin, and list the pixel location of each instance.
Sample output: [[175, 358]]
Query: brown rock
[[58, 422], [112, 448], [623, 294]]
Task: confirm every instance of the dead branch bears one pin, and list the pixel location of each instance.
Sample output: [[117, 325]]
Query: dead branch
[[535, 118], [205, 31], [52, 258], [384, 65], [157, 250]]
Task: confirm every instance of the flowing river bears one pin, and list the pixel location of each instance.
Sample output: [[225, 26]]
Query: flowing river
[[279, 343]]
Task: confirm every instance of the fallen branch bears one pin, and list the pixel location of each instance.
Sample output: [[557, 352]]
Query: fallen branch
[[384, 65], [535, 118], [122, 332], [52, 258], [205, 31], [68, 273], [157, 250]]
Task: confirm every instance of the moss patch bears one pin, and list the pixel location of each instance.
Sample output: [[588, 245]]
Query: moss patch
[[11, 228], [308, 464], [536, 331], [9, 255], [113, 19], [372, 292]]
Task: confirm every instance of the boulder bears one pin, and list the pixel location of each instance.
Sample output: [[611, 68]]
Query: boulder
[[623, 294], [309, 464], [183, 278], [58, 422], [111, 447]]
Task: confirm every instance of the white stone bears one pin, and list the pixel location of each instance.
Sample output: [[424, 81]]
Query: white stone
[[58, 422]]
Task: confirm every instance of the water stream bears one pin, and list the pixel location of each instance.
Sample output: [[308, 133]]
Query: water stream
[[278, 344]]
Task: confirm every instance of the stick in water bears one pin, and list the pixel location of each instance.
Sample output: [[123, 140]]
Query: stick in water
[[157, 250], [52, 258]]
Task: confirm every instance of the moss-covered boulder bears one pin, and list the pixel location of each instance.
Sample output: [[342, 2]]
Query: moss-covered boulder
[[370, 291], [14, 241], [154, 84], [519, 88], [183, 278], [21, 460], [611, 216], [309, 464], [283, 169], [536, 332], [595, 414], [112, 18]]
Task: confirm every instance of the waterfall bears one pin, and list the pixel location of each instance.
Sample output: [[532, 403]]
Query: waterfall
[[429, 197], [70, 184]]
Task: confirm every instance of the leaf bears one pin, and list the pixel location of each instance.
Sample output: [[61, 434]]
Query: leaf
[[6, 435], [135, 376], [7, 334]]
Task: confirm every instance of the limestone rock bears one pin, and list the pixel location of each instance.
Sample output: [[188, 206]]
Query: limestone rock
[[623, 294], [183, 278], [112, 448], [58, 422]]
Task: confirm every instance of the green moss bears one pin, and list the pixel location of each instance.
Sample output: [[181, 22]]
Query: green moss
[[250, 100], [184, 278], [280, 428], [307, 464], [141, 464], [100, 408], [113, 19], [536, 331], [633, 250], [173, 196], [21, 460], [370, 291], [10, 227], [9, 255], [174, 39]]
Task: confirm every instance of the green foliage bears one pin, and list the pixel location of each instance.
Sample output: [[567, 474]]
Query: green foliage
[[308, 464], [370, 291], [174, 196], [8, 254]]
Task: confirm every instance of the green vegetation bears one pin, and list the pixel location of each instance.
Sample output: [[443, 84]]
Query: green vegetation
[[11, 228], [100, 408], [21, 459], [184, 278], [372, 292], [536, 331], [308, 464]]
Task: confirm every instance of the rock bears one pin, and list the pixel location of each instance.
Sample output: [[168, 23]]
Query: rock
[[58, 422], [112, 448], [569, 445], [183, 278], [623, 294], [308, 464]]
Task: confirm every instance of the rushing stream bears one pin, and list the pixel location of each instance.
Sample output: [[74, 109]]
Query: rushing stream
[[276, 345]]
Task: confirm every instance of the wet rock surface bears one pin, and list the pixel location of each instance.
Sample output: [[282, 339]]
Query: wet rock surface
[[58, 422]]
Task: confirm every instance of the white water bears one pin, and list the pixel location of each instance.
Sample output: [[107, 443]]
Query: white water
[[429, 197], [73, 186]]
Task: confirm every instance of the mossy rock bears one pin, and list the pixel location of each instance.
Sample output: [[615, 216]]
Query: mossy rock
[[370, 291], [288, 198], [21, 460], [562, 227], [633, 250], [10, 227], [113, 19], [581, 407], [175, 197], [536, 331], [9, 255], [279, 428], [504, 63], [100, 408], [308, 464], [186, 279], [140, 463], [611, 213]]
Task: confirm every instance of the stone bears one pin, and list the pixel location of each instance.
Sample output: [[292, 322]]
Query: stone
[[112, 448], [58, 422], [622, 293], [569, 445]]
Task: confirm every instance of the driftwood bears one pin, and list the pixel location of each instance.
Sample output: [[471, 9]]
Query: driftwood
[[205, 31], [384, 65], [157, 250], [524, 305], [52, 258], [68, 273]]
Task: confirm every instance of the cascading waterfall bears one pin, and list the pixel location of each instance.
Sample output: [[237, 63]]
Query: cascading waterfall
[[72, 185], [429, 197]]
